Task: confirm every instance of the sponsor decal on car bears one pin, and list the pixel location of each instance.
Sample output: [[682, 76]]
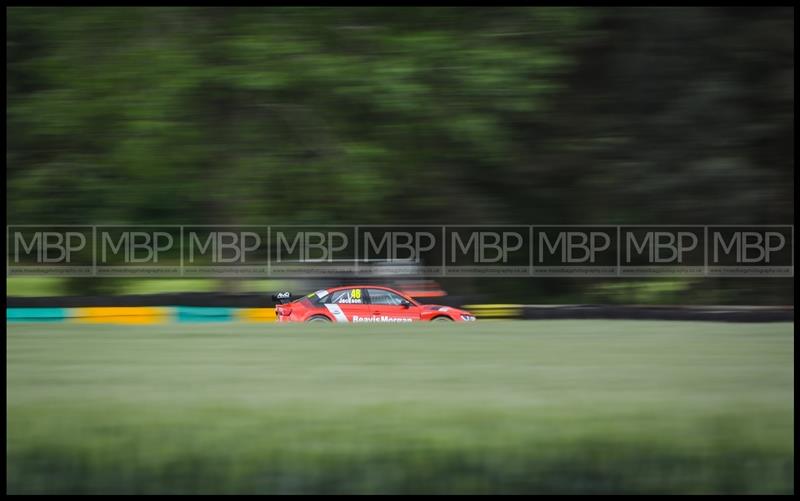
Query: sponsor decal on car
[[382, 318], [337, 312]]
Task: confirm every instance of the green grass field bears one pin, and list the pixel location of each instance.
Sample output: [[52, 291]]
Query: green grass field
[[490, 407]]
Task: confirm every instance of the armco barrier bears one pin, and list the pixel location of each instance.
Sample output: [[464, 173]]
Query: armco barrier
[[36, 314], [635, 312], [650, 312], [203, 314], [213, 307], [138, 315], [119, 315], [495, 310]]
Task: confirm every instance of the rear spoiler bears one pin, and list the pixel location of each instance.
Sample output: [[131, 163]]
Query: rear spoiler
[[282, 297]]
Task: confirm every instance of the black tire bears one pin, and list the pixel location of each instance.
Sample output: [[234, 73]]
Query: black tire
[[319, 319], [441, 319]]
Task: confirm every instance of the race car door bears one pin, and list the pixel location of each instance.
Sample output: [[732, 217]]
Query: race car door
[[387, 306], [349, 305]]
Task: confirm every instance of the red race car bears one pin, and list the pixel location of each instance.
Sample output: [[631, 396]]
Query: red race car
[[362, 303]]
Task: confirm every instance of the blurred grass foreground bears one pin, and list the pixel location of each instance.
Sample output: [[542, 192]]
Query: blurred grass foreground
[[495, 407]]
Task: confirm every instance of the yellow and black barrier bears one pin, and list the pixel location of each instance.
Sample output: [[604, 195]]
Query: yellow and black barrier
[[495, 310]]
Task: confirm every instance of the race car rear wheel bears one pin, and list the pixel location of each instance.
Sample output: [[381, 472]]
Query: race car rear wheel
[[319, 318], [442, 319]]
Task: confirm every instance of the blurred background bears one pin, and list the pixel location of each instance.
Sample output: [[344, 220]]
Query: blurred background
[[404, 115], [401, 116]]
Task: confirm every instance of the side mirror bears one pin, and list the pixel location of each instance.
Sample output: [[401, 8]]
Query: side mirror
[[405, 304]]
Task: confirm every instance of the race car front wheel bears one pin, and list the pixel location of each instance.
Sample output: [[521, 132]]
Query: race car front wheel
[[319, 318], [442, 319]]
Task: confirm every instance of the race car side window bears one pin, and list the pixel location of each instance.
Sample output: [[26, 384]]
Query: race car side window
[[381, 296], [317, 300], [345, 296], [319, 297]]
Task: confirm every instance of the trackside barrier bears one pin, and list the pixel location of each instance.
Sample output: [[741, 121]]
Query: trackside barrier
[[656, 312], [138, 315], [163, 314], [201, 314], [36, 314], [495, 310], [119, 315], [634, 312]]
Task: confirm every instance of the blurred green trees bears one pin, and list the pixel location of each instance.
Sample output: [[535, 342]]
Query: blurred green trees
[[211, 115], [395, 115], [258, 115]]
